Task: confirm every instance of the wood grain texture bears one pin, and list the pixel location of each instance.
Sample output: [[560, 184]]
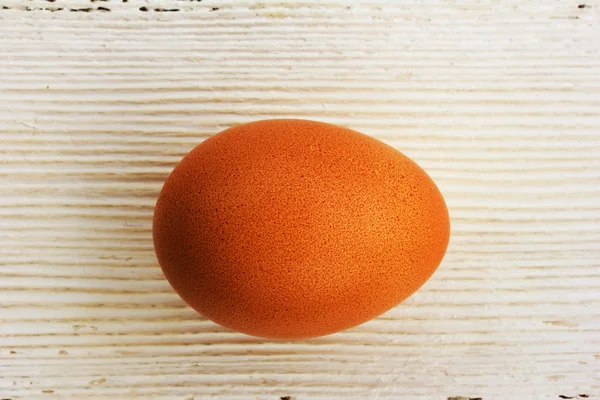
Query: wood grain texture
[[499, 101]]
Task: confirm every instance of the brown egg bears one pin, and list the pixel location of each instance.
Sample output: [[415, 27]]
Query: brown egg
[[295, 229]]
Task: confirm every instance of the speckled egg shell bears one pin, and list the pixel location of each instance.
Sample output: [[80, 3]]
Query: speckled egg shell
[[295, 228]]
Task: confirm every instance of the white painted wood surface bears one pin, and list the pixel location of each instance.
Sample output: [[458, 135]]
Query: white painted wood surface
[[499, 101]]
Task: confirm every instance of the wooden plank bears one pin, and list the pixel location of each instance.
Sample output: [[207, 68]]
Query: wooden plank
[[500, 102]]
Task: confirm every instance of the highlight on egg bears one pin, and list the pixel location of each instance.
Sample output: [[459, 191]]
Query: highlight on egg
[[292, 229]]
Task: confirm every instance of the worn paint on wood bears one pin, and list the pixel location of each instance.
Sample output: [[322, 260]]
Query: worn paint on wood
[[499, 101]]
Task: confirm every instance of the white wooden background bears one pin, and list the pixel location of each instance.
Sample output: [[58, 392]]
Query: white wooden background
[[498, 100]]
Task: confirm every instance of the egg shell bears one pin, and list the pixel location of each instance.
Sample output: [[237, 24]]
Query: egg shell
[[294, 228]]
